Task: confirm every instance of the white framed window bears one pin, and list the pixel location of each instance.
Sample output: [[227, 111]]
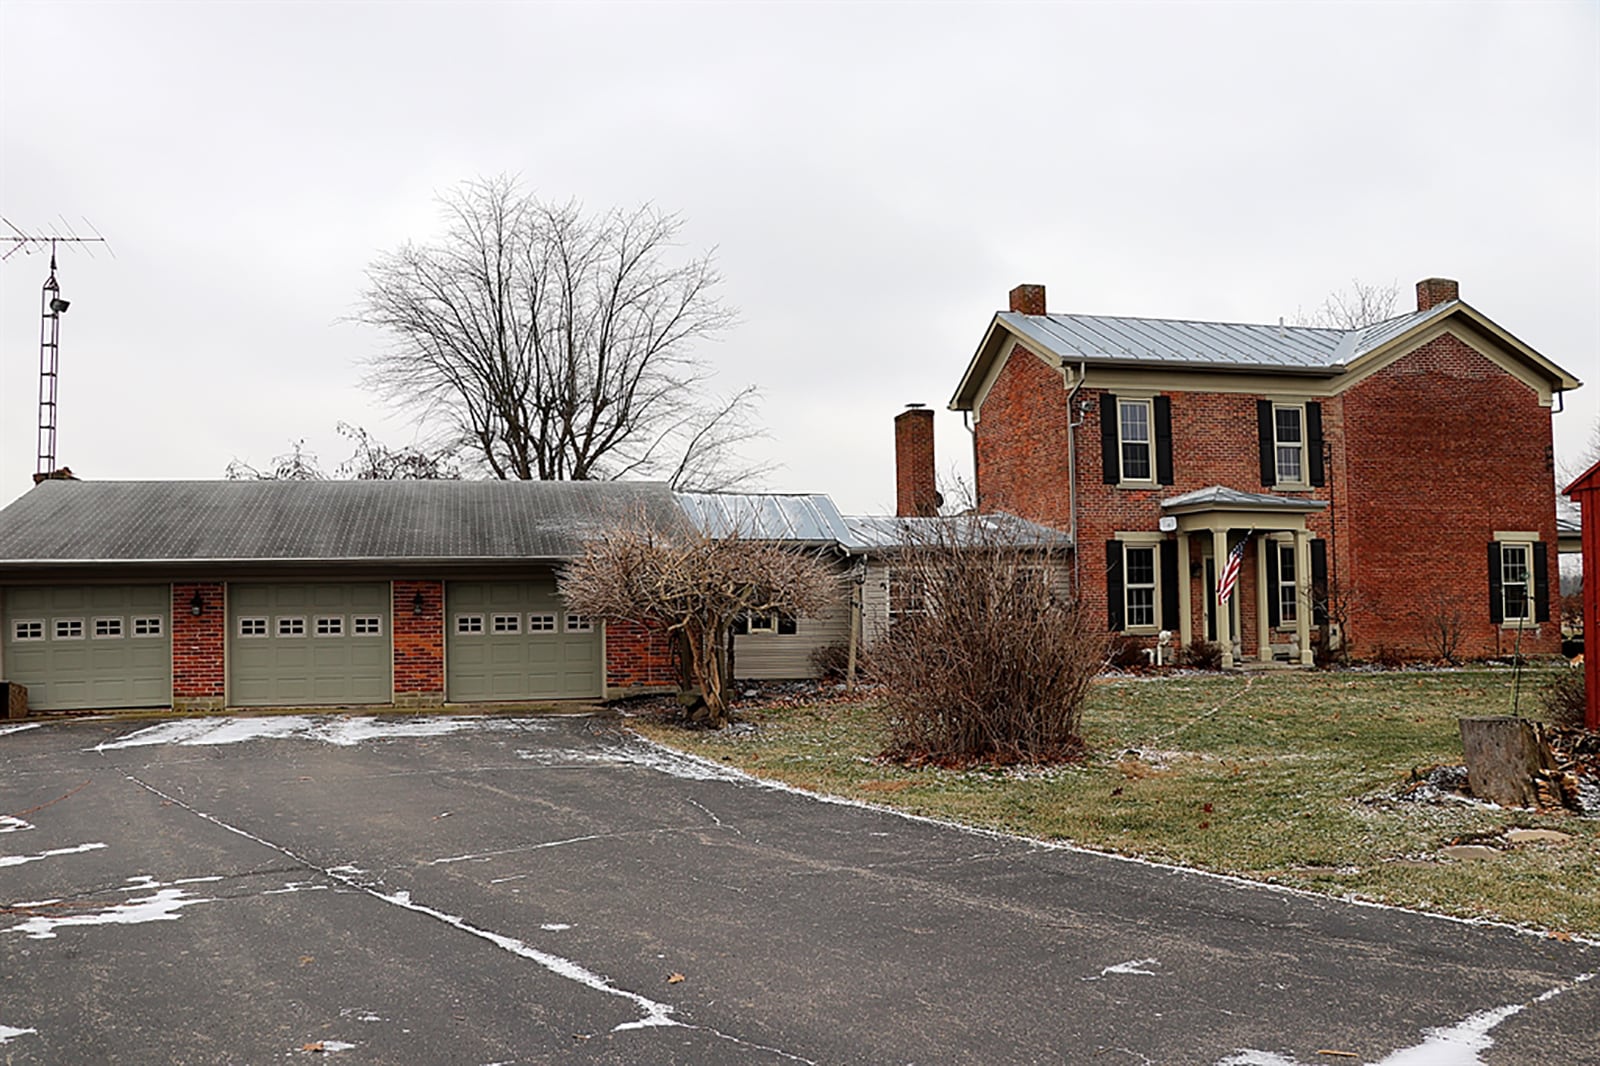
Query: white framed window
[[291, 626], [1289, 443], [908, 595], [469, 623], [506, 623], [763, 621], [252, 627], [23, 629], [330, 625], [1516, 583], [1139, 572], [1287, 593], [367, 625], [150, 625], [107, 628], [69, 629], [579, 623], [541, 623], [1134, 440]]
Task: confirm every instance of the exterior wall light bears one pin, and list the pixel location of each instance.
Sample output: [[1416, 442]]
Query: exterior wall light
[[417, 604], [196, 604]]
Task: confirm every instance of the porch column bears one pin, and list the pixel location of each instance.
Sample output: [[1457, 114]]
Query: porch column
[[1263, 630], [1185, 606], [1219, 552], [1302, 596]]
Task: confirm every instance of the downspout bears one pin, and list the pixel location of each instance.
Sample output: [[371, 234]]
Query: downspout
[[1073, 422]]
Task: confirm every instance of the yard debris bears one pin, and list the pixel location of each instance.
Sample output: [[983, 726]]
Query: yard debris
[[676, 978], [1573, 783]]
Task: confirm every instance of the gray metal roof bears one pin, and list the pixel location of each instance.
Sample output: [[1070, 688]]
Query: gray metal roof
[[1233, 499], [1226, 345], [872, 533], [318, 521], [809, 519]]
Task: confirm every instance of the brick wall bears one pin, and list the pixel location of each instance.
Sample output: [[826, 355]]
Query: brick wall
[[916, 488], [1445, 449], [418, 644], [199, 668], [638, 659]]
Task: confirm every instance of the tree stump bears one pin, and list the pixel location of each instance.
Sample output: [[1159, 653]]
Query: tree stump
[[1506, 757]]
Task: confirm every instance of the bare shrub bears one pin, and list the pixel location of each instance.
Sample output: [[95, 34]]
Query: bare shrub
[[832, 661], [1563, 700], [1387, 656], [996, 666], [1203, 654], [693, 585], [1444, 625], [1122, 654]]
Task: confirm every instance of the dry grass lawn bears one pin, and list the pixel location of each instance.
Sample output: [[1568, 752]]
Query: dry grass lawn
[[1285, 777]]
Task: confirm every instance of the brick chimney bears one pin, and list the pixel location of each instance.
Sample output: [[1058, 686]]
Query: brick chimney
[[1431, 292], [915, 492], [1028, 299]]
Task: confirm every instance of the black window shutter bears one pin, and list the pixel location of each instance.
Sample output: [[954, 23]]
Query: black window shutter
[[1163, 409], [1269, 457], [1541, 583], [1274, 608], [1496, 599], [1319, 582], [1114, 604], [1314, 443], [1110, 453], [1211, 600], [1169, 584]]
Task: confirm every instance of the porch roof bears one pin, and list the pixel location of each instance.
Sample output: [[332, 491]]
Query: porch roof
[[1222, 498]]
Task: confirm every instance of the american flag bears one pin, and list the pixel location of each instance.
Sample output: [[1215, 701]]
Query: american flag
[[1230, 571]]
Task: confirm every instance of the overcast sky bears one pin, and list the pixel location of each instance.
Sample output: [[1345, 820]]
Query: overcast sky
[[874, 177]]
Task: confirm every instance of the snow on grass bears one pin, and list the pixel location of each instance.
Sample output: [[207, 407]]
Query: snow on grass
[[660, 759], [4, 729], [163, 906], [19, 860], [337, 730], [8, 824], [8, 1034]]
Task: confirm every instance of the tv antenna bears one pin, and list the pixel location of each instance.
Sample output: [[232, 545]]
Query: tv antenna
[[51, 307]]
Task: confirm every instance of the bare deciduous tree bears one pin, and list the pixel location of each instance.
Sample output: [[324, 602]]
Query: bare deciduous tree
[[296, 464], [694, 586], [560, 345], [1357, 307], [372, 461]]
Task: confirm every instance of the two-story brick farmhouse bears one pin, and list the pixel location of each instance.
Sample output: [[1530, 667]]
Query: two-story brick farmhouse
[[1392, 485]]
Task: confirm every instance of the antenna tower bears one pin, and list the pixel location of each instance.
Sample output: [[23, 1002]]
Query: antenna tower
[[51, 308]]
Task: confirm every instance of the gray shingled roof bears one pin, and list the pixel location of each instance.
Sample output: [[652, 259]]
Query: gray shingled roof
[[869, 533], [1230, 345], [808, 519], [318, 521]]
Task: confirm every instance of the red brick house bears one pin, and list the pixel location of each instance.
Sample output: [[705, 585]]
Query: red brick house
[[1392, 485]]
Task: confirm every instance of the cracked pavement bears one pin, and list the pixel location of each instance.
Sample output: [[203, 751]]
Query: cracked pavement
[[547, 890]]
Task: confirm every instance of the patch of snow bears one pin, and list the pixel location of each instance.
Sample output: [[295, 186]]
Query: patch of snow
[[341, 731], [9, 824], [19, 860], [662, 760], [296, 886], [655, 1014], [161, 907], [6, 729], [335, 1045], [1130, 967], [555, 927], [8, 1034], [360, 1014], [485, 856], [1252, 1057], [145, 881]]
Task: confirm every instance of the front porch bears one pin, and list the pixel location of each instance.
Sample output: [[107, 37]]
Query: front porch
[[1212, 522]]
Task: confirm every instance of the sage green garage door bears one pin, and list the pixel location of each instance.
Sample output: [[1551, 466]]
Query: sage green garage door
[[84, 647], [305, 645], [515, 640]]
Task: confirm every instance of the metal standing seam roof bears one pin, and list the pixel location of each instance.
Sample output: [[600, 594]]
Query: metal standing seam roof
[[1179, 342], [1222, 496], [803, 518], [869, 533], [319, 521]]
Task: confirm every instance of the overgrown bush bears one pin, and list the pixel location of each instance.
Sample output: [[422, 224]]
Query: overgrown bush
[[1563, 700], [832, 661], [1124, 654], [996, 664]]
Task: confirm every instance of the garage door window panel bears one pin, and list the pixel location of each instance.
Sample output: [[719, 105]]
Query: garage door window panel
[[507, 623], [149, 626], [24, 629], [252, 627], [292, 626], [579, 623], [469, 624], [541, 623], [69, 629], [330, 625], [367, 625], [107, 628]]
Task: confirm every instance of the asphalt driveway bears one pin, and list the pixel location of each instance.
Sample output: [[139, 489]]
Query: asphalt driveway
[[497, 890]]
